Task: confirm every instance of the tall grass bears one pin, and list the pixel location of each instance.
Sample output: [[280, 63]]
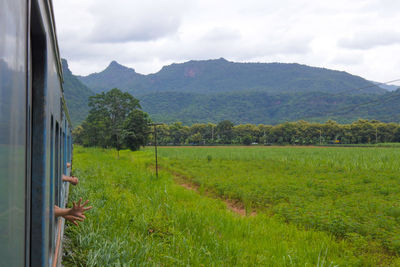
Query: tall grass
[[352, 193], [139, 220]]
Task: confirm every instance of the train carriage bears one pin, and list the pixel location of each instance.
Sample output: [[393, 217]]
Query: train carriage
[[35, 135]]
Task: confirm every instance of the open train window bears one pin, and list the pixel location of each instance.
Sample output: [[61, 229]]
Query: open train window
[[52, 176], [64, 150], [39, 255]]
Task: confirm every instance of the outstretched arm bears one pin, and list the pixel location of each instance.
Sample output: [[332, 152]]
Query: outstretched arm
[[72, 179], [77, 210]]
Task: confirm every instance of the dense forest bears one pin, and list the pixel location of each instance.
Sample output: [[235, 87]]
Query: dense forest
[[259, 107]]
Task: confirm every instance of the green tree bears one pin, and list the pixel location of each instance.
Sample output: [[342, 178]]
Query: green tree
[[104, 126], [247, 140], [136, 129], [225, 131], [115, 107]]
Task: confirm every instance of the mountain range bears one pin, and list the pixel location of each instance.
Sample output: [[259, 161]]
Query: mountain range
[[215, 90], [221, 76]]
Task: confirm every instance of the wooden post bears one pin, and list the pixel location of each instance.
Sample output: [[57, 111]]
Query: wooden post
[[155, 144], [155, 147]]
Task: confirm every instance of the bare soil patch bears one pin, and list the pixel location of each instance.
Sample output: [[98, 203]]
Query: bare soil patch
[[234, 206]]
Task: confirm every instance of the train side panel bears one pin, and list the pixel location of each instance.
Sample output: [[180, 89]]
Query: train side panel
[[13, 132], [48, 128], [35, 135]]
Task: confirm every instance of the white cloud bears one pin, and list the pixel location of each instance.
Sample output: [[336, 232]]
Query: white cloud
[[358, 36], [126, 21], [349, 58], [371, 39]]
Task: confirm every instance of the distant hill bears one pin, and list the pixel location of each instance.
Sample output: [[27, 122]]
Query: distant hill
[[76, 95], [388, 87], [221, 76], [114, 76], [216, 90]]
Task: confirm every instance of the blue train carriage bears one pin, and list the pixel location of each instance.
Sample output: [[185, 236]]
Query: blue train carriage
[[35, 135]]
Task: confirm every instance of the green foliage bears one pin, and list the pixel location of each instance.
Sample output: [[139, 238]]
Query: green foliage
[[295, 133], [343, 191], [76, 95], [266, 108], [247, 140], [139, 220], [136, 129], [114, 120], [225, 131]]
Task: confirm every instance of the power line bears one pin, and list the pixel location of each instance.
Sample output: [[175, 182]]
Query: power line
[[377, 84], [327, 94], [353, 107]]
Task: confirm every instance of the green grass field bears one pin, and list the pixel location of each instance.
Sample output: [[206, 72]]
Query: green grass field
[[314, 206]]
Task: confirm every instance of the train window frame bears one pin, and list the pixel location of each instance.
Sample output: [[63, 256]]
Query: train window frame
[[52, 178], [38, 202], [57, 176]]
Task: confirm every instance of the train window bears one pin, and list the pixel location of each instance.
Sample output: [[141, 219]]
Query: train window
[[40, 200], [61, 151], [57, 176], [64, 149], [51, 232]]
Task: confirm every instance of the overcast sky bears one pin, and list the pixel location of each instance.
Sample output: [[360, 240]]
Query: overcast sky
[[358, 36]]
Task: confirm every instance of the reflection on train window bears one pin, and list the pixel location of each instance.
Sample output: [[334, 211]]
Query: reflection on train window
[[51, 231], [57, 162], [64, 152]]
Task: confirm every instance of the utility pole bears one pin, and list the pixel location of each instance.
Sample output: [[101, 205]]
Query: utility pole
[[212, 134], [155, 144]]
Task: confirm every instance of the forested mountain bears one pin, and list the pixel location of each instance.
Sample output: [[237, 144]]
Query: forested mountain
[[216, 90], [114, 76], [76, 95], [260, 107], [220, 75]]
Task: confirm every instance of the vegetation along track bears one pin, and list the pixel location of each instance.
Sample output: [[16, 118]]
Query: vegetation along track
[[139, 219], [350, 192]]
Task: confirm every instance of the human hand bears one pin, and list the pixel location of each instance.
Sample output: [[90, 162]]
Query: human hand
[[72, 179], [68, 164], [73, 219], [78, 210]]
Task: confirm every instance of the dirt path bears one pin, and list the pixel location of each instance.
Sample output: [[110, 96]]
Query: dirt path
[[234, 206]]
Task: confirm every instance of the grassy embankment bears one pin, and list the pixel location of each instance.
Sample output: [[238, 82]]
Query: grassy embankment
[[140, 220]]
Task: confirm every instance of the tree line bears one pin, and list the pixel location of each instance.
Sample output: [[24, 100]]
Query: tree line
[[116, 120], [293, 133]]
